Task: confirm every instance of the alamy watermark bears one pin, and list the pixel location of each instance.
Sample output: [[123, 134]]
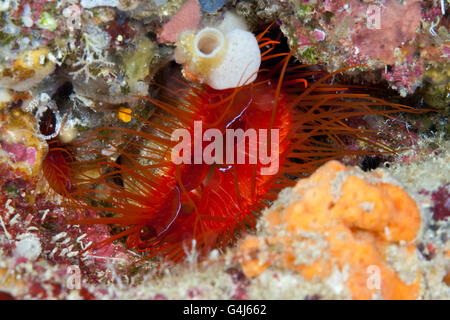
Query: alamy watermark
[[73, 281], [374, 279], [240, 147], [373, 17]]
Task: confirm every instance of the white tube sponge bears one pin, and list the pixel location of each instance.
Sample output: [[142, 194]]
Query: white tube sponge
[[224, 57], [240, 64]]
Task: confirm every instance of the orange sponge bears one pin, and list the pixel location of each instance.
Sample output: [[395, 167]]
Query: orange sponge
[[352, 229]]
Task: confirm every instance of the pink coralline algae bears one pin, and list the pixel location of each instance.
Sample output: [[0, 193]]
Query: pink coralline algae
[[405, 38], [377, 30], [19, 152], [446, 50], [397, 25], [102, 254], [187, 18]]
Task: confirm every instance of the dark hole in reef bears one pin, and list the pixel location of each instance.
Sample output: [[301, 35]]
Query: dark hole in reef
[[115, 176], [275, 34], [328, 15], [370, 163], [165, 74], [62, 94], [152, 35], [147, 233], [432, 130], [296, 160], [47, 125], [17, 104]]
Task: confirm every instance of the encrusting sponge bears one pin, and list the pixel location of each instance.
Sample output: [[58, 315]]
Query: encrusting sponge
[[223, 57]]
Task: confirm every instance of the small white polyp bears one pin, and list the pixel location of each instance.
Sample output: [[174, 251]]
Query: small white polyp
[[29, 247]]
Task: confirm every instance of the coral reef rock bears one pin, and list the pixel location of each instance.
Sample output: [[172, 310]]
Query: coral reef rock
[[356, 232]]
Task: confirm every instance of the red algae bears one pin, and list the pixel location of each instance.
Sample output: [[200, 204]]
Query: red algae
[[380, 43]]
